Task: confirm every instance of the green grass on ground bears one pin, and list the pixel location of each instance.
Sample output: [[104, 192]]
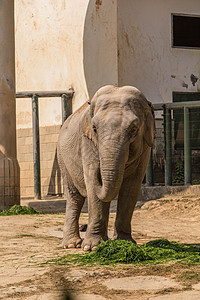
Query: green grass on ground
[[126, 252], [18, 210]]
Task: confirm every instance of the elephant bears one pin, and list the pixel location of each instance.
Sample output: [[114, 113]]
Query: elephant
[[103, 152]]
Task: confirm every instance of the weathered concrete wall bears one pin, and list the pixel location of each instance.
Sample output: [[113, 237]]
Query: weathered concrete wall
[[100, 60], [87, 44], [62, 44], [59, 44], [41, 40], [146, 58]]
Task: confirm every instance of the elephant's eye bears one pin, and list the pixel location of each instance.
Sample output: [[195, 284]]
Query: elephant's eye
[[133, 131]]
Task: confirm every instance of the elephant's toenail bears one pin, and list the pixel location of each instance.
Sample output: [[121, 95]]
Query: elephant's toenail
[[71, 246], [94, 248], [78, 246], [86, 248]]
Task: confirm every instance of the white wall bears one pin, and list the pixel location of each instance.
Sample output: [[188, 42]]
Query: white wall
[[146, 58], [87, 44], [100, 45], [62, 44], [40, 59]]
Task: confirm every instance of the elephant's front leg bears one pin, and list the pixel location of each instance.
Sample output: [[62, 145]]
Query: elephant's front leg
[[126, 203], [98, 214], [128, 196], [74, 204], [98, 211]]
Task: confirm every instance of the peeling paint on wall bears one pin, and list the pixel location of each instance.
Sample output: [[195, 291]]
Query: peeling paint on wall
[[6, 83]]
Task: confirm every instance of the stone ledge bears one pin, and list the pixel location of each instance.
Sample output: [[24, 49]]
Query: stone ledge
[[156, 192]]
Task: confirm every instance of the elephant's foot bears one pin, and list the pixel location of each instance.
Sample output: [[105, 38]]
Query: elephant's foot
[[91, 242], [72, 242], [123, 236]]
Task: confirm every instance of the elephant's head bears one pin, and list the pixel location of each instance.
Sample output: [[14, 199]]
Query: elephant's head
[[121, 125]]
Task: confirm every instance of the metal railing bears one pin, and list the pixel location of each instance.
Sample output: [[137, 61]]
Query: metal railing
[[66, 103], [167, 109]]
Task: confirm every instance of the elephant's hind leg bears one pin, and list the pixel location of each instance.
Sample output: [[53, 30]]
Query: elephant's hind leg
[[74, 204]]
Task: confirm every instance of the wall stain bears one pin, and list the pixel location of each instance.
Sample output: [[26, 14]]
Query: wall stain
[[184, 85], [98, 3], [127, 39], [64, 5], [6, 83], [35, 25], [193, 79], [128, 42]]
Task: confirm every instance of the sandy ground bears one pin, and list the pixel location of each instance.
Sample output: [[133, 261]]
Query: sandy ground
[[28, 242]]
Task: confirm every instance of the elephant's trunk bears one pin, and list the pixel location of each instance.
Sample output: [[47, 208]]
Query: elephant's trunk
[[112, 164]]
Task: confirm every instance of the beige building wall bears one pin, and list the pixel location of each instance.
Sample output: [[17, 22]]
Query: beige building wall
[[59, 44], [146, 58], [62, 44], [85, 45]]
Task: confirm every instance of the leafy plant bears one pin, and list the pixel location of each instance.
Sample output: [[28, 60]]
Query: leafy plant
[[195, 181], [119, 251], [179, 173], [19, 210]]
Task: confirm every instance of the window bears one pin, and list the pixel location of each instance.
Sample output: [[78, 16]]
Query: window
[[185, 31]]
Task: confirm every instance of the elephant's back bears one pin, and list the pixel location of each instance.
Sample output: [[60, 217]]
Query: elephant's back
[[72, 125], [69, 149], [69, 140]]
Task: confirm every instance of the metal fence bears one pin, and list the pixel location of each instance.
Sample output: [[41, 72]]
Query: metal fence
[[66, 103], [167, 110]]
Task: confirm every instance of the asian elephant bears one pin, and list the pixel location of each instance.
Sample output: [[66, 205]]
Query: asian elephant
[[103, 152]]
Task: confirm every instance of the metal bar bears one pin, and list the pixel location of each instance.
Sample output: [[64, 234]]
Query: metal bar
[[178, 105], [168, 146], [36, 147], [66, 102], [149, 171], [187, 147], [44, 94]]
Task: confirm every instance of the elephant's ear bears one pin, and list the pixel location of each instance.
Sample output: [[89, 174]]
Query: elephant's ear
[[88, 131], [150, 130], [87, 128], [92, 102]]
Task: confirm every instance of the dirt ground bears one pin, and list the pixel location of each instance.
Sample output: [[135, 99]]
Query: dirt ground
[[28, 242]]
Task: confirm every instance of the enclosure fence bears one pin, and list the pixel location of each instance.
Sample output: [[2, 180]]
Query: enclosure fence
[[172, 115], [66, 104], [191, 135]]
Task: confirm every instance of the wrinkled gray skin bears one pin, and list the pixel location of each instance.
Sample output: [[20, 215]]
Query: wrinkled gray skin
[[103, 152]]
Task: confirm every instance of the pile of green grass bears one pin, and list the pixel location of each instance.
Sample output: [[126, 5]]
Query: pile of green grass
[[19, 210], [119, 251]]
